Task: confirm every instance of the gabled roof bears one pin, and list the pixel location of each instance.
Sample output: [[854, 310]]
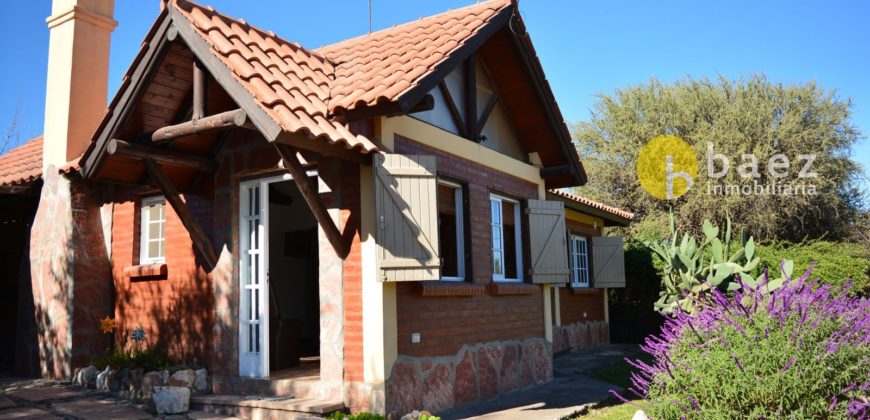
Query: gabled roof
[[386, 65], [288, 89], [613, 214], [290, 83]]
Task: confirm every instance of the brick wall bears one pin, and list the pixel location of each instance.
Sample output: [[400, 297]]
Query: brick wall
[[573, 303], [446, 323], [353, 323], [176, 310]]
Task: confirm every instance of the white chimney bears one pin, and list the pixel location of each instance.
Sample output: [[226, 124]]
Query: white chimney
[[78, 76]]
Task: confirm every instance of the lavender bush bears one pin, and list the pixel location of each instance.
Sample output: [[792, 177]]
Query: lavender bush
[[801, 351]]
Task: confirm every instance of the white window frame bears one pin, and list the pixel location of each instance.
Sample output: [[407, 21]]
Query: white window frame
[[575, 256], [495, 198], [144, 232], [460, 231]]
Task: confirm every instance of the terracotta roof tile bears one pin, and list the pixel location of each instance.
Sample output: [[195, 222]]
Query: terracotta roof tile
[[591, 203], [291, 83], [381, 66], [22, 164]]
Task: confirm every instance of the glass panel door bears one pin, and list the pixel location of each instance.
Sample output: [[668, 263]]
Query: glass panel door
[[253, 288]]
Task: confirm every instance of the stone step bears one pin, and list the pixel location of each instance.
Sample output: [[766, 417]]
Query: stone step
[[265, 407], [299, 388]]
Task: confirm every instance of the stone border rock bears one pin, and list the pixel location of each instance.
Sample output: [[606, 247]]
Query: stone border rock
[[139, 386], [476, 372]]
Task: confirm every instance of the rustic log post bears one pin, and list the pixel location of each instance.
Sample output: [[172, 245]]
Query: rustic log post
[[224, 120], [169, 157], [200, 240], [312, 198]]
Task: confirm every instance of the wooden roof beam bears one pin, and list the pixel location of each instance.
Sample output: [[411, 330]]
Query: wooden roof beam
[[222, 121], [200, 240], [164, 156], [294, 167]]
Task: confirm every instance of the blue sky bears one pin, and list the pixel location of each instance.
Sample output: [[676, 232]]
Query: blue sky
[[586, 47]]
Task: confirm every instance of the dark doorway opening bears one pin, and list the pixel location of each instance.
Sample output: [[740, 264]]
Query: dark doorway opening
[[18, 346], [294, 286]]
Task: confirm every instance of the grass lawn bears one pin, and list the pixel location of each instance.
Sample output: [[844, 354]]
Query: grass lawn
[[614, 412], [619, 374]]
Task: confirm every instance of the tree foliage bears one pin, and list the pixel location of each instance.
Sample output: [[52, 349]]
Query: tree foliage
[[746, 116]]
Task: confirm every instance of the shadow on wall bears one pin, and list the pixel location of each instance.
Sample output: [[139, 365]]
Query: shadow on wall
[[631, 309], [177, 310]]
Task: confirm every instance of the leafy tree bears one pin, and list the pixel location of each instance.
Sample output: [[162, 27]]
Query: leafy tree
[[751, 115]]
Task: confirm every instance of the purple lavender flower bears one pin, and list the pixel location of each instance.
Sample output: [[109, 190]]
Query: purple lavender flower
[[809, 323]]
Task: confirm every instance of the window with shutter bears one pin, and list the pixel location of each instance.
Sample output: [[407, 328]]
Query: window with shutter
[[507, 245], [579, 260], [547, 242], [608, 262], [407, 217]]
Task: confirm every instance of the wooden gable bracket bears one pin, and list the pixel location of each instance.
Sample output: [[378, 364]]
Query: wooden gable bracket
[[471, 124], [294, 167], [200, 240]]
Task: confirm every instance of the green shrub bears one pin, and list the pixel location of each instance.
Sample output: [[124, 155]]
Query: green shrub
[[798, 352], [147, 359], [835, 261]]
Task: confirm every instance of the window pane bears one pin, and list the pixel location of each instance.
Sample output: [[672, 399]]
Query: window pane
[[154, 230], [496, 237], [448, 240], [153, 249], [495, 209], [497, 263]]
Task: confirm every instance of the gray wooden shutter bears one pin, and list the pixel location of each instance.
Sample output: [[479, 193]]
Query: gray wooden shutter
[[547, 241], [608, 262], [407, 217]]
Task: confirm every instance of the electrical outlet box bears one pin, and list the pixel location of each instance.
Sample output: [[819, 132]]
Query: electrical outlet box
[[415, 338]]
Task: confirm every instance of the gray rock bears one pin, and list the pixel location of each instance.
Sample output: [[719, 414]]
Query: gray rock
[[200, 384], [183, 378], [75, 376], [165, 377], [414, 415], [639, 415], [113, 382], [149, 382], [103, 380], [171, 399], [87, 377]]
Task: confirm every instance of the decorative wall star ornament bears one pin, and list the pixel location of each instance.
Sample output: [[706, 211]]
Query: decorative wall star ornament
[[108, 325]]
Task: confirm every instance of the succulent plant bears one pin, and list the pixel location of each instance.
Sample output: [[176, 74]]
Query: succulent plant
[[692, 268]]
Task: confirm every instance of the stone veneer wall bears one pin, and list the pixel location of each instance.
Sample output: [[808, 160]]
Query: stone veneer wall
[[580, 335], [477, 372], [70, 274]]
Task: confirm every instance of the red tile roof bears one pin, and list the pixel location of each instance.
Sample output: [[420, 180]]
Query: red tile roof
[[303, 90], [292, 84], [22, 164], [594, 204], [381, 66]]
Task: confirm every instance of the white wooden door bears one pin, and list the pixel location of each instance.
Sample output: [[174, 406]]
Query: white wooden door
[[253, 279]]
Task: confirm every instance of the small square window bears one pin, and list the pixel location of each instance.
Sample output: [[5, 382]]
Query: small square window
[[151, 235]]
